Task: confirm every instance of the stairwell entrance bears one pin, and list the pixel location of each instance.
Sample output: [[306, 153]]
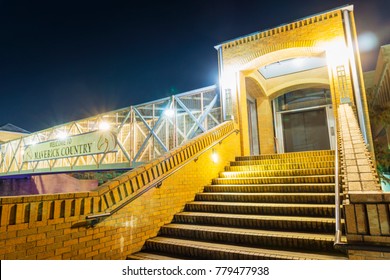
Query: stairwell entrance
[[304, 121]]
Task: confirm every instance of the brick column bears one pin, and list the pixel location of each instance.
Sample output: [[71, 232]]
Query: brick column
[[266, 127]]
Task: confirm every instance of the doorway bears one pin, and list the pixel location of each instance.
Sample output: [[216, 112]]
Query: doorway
[[305, 130]]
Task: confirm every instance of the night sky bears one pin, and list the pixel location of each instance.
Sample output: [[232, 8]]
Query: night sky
[[65, 60]]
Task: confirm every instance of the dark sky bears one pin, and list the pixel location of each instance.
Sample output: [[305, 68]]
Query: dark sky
[[64, 60]]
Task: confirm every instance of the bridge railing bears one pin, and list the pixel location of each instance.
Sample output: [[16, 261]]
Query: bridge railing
[[120, 139], [26, 211]]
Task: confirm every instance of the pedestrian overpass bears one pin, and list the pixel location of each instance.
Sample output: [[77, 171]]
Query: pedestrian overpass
[[121, 139]]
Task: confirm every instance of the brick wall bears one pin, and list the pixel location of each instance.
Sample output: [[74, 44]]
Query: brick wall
[[54, 226], [368, 255], [300, 38], [305, 33], [368, 224], [311, 36]]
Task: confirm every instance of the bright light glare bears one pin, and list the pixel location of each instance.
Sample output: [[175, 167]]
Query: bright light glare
[[368, 41], [104, 126], [62, 135], [227, 81], [214, 156], [169, 112], [336, 53]]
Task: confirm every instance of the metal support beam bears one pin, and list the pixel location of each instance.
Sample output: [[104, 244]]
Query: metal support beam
[[152, 133]]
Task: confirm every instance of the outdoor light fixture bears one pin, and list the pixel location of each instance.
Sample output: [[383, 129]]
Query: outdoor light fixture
[[214, 156], [104, 126], [228, 81], [169, 112], [62, 135], [336, 52]]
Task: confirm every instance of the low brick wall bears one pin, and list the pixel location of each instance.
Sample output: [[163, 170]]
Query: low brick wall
[[368, 221], [54, 226], [366, 206]]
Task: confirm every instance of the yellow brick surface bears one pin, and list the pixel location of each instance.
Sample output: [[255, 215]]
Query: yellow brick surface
[[243, 57], [361, 218], [59, 235], [350, 219], [373, 219], [384, 219]]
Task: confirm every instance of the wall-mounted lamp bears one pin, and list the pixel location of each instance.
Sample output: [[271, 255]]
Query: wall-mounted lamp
[[336, 52], [169, 112], [62, 135], [104, 126], [214, 156]]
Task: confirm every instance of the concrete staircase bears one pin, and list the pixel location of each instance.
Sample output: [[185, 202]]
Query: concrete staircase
[[260, 207]]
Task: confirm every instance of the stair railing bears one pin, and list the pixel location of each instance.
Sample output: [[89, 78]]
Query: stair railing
[[338, 230], [189, 153]]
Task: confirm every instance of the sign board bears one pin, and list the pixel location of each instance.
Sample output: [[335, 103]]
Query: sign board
[[97, 142]]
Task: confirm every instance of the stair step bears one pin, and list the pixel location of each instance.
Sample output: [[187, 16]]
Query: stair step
[[274, 180], [281, 160], [281, 173], [285, 223], [283, 166], [206, 250], [251, 237], [280, 209], [305, 154], [261, 207], [151, 256], [280, 188], [319, 198]]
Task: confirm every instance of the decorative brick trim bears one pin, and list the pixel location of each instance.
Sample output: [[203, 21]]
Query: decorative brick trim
[[282, 29], [358, 171]]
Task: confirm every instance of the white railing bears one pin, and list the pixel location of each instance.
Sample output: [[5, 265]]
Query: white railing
[[338, 203], [120, 139]]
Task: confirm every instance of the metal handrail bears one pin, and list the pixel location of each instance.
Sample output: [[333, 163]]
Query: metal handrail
[[338, 231], [158, 182]]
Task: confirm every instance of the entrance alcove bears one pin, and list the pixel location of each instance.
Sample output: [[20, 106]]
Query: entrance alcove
[[300, 78]]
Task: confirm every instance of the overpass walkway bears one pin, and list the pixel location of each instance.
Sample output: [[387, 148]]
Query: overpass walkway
[[117, 140]]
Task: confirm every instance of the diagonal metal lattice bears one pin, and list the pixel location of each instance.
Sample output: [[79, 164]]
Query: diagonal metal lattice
[[141, 132]]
